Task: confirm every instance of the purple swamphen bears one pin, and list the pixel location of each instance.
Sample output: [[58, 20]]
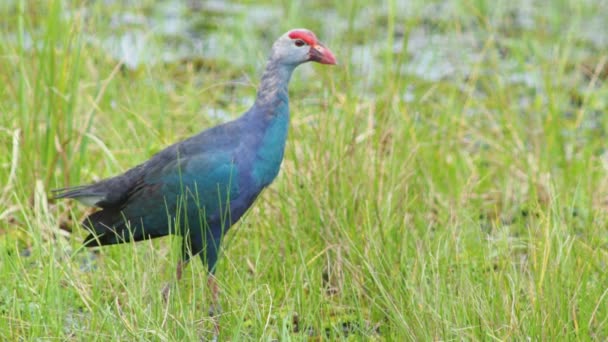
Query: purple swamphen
[[199, 187]]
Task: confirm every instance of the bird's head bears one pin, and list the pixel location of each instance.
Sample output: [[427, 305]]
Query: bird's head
[[299, 46]]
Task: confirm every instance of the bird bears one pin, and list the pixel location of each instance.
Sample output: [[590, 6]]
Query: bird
[[199, 187]]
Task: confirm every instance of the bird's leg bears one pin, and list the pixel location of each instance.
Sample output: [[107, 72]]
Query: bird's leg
[[214, 309], [178, 276]]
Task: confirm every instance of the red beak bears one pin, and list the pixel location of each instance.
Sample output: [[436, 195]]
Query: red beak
[[321, 54]]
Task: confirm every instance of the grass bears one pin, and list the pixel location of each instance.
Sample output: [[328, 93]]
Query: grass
[[447, 181]]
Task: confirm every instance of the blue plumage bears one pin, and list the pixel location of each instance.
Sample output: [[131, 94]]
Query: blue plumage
[[201, 186]]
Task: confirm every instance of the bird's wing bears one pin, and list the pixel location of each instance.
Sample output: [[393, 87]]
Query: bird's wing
[[196, 187]]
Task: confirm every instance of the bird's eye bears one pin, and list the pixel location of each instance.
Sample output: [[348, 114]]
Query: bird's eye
[[299, 42]]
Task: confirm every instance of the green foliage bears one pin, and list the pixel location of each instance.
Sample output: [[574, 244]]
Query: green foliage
[[446, 181]]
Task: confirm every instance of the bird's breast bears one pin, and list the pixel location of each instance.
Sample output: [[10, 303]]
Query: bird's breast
[[269, 154]]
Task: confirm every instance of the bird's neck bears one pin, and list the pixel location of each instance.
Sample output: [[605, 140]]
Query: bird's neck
[[272, 98], [271, 114]]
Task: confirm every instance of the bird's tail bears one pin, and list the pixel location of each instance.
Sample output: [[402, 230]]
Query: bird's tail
[[69, 192], [85, 194]]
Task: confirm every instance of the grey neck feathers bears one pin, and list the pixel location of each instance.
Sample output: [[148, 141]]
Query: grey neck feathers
[[273, 86]]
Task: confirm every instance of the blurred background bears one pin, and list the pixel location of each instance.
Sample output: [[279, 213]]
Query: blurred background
[[447, 180]]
